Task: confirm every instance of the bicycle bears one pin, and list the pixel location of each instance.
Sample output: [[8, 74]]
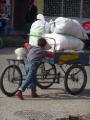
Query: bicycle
[[46, 76]]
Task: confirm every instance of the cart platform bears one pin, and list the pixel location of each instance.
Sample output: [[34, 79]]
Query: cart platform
[[77, 57]]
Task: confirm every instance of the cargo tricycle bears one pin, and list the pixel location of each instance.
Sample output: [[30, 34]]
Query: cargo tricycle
[[71, 67]]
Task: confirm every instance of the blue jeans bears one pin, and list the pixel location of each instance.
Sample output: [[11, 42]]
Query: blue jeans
[[31, 69]]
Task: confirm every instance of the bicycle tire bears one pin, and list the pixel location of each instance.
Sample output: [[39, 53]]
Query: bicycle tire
[[8, 78], [45, 78], [73, 78]]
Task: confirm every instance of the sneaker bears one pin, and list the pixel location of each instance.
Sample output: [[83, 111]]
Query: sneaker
[[34, 94], [19, 95]]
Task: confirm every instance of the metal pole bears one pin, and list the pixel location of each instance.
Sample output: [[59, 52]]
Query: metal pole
[[12, 13], [62, 8], [81, 9]]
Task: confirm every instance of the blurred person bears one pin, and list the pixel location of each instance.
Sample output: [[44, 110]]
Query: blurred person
[[30, 15]]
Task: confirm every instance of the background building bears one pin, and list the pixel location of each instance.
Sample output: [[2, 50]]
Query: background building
[[67, 8], [15, 10]]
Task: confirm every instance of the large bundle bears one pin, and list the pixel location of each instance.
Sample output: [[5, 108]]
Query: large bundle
[[38, 28], [63, 42], [68, 26]]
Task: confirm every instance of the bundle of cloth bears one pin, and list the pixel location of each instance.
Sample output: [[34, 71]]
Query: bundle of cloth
[[66, 34], [60, 34], [38, 29]]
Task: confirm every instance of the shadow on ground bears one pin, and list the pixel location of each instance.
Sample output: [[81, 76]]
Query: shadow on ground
[[61, 95]]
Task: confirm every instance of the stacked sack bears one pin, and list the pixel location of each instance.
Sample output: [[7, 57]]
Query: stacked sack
[[38, 28], [63, 42], [66, 34]]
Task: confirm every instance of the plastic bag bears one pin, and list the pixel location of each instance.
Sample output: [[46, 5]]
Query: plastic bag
[[63, 42], [69, 26], [38, 28], [21, 53]]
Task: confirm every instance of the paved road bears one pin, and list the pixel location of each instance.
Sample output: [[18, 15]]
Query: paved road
[[52, 104]]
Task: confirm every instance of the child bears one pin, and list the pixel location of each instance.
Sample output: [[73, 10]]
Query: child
[[34, 57]]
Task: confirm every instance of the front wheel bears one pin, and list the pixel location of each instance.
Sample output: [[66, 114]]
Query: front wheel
[[46, 75], [11, 79], [75, 79]]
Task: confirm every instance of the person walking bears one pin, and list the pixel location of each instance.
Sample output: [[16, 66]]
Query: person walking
[[30, 16], [34, 57]]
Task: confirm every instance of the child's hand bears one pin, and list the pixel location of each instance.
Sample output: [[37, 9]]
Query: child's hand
[[26, 45], [50, 54]]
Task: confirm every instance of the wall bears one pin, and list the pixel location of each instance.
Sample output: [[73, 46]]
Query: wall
[[40, 5]]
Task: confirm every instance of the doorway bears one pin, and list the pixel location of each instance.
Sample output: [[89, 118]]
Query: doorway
[[20, 9]]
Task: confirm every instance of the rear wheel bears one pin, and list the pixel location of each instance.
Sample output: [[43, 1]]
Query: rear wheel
[[46, 75], [75, 79], [11, 79]]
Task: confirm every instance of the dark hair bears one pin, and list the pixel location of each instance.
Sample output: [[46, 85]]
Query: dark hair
[[42, 42]]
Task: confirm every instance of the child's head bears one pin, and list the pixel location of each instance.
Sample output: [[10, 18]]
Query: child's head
[[42, 42]]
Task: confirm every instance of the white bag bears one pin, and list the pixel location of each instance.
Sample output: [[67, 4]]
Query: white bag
[[38, 28], [70, 27], [21, 53], [63, 42], [51, 26]]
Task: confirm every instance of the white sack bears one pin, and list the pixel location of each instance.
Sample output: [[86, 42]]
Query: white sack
[[52, 26], [68, 26], [40, 17], [64, 42], [38, 28], [21, 53]]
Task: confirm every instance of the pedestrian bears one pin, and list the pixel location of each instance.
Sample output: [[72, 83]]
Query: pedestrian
[[34, 57], [30, 16]]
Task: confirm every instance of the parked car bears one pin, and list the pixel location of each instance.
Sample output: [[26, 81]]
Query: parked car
[[85, 23]]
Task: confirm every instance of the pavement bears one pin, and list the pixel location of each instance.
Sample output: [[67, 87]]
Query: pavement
[[53, 104]]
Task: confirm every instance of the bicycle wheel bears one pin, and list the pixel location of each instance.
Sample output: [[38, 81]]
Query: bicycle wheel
[[75, 79], [46, 75], [11, 79]]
